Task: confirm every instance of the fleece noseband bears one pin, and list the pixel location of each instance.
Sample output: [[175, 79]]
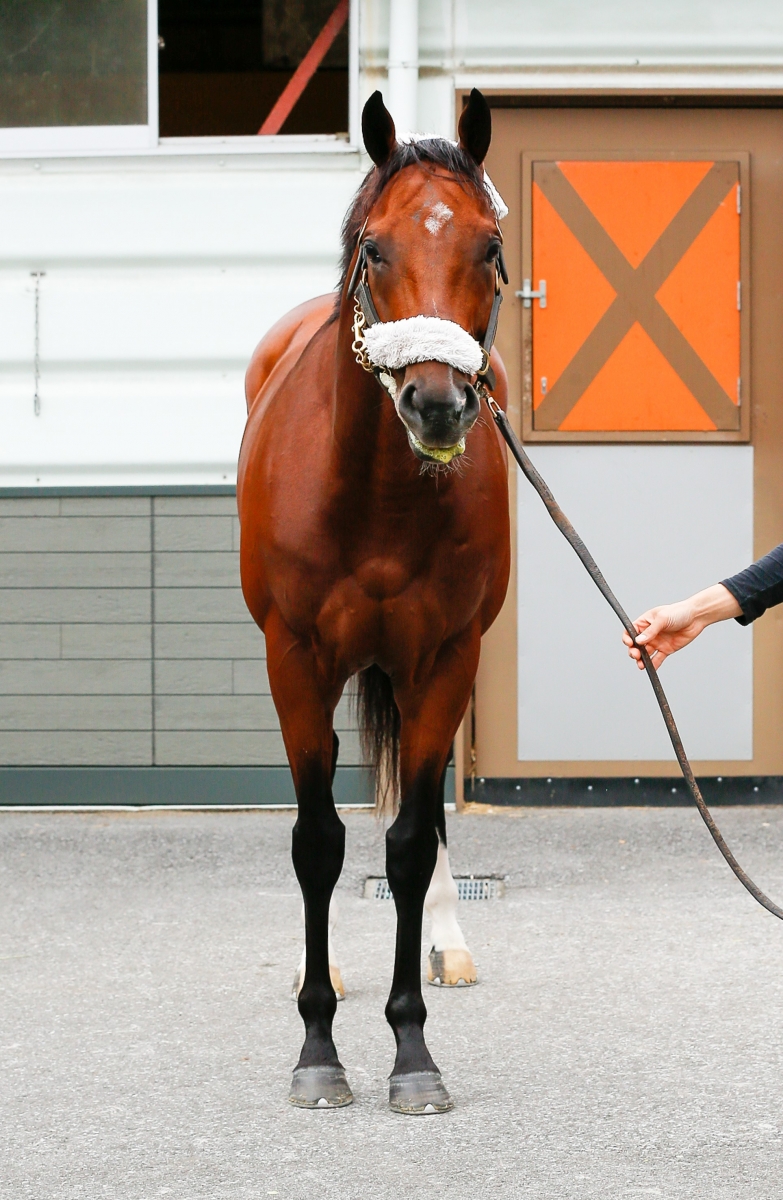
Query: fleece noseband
[[384, 346]]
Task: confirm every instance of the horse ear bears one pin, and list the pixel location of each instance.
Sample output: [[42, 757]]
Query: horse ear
[[475, 127], [378, 130]]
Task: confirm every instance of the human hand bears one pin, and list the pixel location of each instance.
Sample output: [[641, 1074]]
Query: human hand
[[669, 627]]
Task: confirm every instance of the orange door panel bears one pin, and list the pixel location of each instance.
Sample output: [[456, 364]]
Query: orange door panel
[[640, 331]]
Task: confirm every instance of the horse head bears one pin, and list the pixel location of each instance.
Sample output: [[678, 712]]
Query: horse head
[[429, 253]]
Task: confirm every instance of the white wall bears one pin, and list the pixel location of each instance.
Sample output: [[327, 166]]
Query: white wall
[[662, 522], [540, 44], [162, 273]]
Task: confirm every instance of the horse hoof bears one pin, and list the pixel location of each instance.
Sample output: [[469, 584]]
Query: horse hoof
[[334, 975], [419, 1094], [451, 968], [320, 1087]]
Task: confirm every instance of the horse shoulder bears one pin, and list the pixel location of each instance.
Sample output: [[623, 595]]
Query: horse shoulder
[[281, 348]]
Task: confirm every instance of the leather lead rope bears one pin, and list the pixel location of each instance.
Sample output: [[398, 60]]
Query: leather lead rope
[[587, 560]]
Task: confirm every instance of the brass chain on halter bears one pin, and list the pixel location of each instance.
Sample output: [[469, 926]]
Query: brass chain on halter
[[359, 346]]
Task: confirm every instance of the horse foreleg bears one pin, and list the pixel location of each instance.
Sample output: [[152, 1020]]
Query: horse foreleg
[[429, 723], [318, 848], [334, 970], [450, 962]]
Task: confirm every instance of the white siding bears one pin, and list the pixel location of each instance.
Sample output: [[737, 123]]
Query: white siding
[[161, 275], [542, 44]]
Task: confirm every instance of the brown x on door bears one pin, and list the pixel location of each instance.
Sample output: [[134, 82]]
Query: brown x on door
[[641, 327]]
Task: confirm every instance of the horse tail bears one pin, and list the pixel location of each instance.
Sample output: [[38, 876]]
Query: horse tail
[[379, 732]]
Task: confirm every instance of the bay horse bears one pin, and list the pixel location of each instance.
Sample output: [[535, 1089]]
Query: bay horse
[[372, 546]]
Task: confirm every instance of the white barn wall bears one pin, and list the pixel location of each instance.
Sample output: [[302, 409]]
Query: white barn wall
[[570, 44], [161, 275]]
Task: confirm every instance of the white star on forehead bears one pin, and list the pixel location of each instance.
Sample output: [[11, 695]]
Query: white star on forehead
[[440, 213]]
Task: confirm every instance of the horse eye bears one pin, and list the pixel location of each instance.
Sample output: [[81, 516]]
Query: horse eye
[[373, 253], [493, 252]]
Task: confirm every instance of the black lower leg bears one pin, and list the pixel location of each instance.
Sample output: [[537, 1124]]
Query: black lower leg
[[411, 852], [318, 849]]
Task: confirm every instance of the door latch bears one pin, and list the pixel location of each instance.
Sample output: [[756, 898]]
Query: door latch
[[527, 297]]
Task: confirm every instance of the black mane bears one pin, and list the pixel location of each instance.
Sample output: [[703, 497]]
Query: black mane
[[435, 152]]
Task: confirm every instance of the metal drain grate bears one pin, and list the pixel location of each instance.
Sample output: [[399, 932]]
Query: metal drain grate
[[469, 887]]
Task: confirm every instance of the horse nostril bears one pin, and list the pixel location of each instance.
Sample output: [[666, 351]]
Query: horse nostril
[[471, 406], [406, 404]]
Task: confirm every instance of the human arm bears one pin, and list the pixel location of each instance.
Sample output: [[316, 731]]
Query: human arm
[[669, 627], [759, 586]]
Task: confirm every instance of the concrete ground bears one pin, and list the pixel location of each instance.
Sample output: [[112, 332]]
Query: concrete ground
[[625, 1040]]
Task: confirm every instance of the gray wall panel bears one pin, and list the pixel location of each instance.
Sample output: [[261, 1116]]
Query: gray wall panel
[[112, 655], [29, 506], [186, 677], [49, 605], [105, 506], [29, 641], [185, 533], [215, 712], [74, 748], [200, 748], [75, 712], [200, 604], [191, 569], [32, 534], [203, 640], [250, 677], [74, 570], [76, 677], [196, 506], [113, 641]]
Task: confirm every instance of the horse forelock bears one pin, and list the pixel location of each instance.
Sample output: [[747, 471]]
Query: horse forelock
[[429, 152]]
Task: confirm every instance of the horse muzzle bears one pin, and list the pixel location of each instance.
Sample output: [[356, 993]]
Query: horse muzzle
[[438, 410]]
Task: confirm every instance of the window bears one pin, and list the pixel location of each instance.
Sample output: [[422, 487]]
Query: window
[[224, 63], [73, 68]]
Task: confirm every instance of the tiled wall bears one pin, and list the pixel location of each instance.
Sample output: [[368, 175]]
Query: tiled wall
[[125, 641]]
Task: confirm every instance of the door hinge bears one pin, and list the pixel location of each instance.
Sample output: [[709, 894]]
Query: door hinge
[[739, 197], [527, 296], [739, 296]]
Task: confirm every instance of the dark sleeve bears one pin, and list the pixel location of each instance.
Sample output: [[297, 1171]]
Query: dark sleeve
[[759, 586]]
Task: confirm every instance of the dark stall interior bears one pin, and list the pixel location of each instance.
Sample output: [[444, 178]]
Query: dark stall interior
[[223, 64]]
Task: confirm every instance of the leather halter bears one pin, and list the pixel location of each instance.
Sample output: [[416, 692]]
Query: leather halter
[[366, 313]]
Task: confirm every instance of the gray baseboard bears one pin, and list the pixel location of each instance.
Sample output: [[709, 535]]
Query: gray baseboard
[[166, 786], [222, 787], [657, 791]]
